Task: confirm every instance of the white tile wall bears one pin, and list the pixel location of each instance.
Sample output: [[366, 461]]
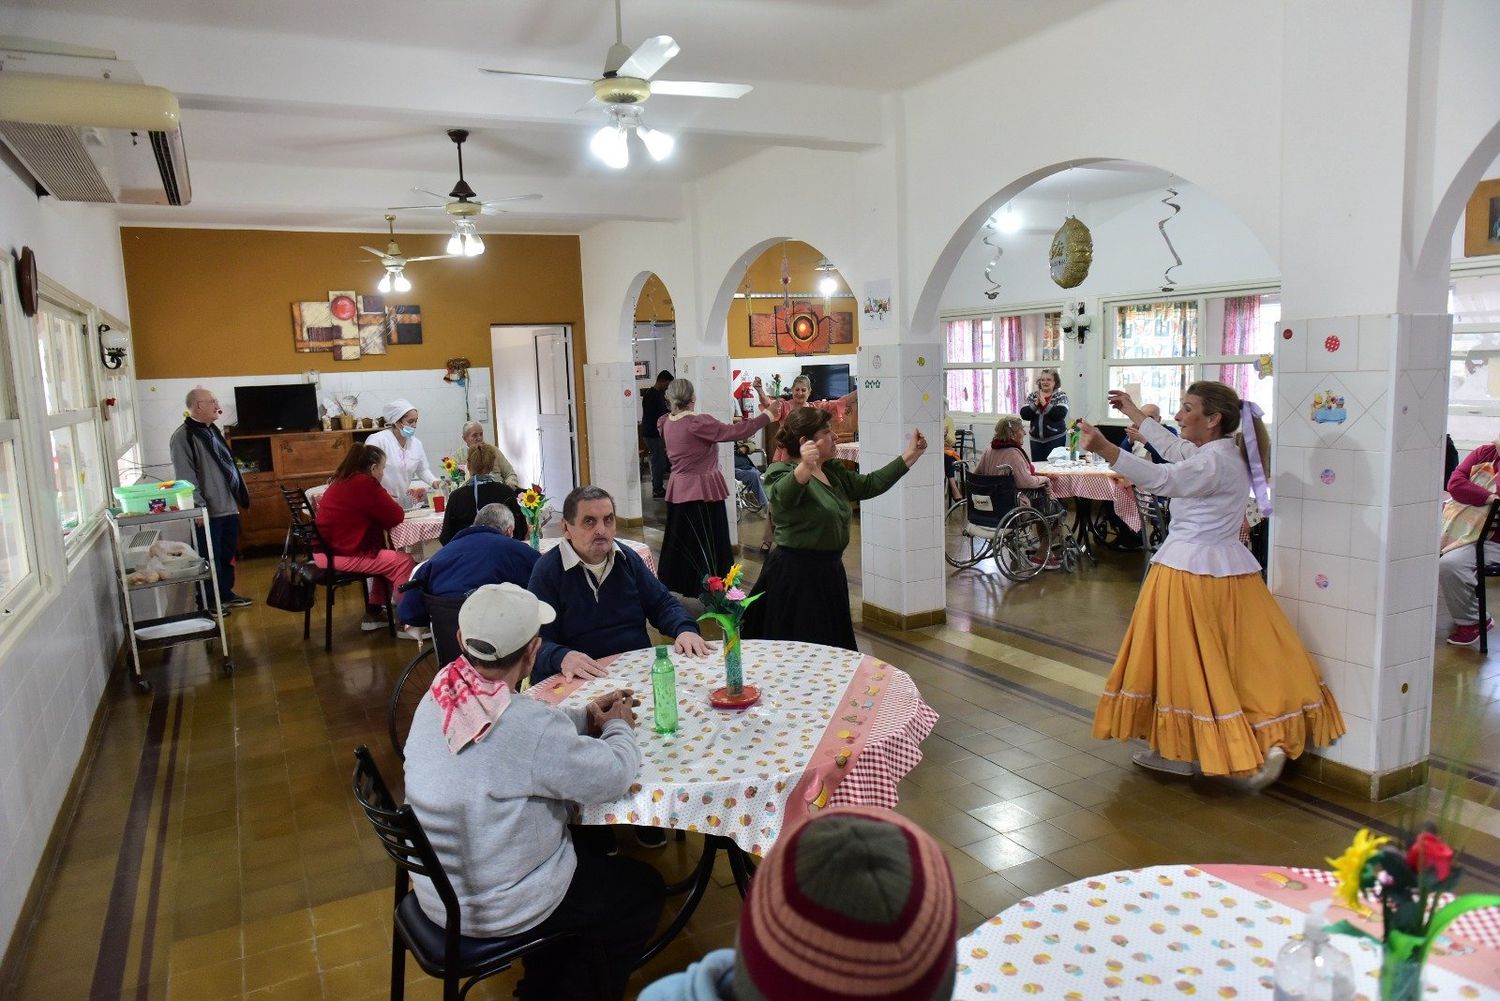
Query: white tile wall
[[614, 410], [1325, 527]]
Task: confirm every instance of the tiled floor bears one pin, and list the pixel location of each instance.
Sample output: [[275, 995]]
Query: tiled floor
[[216, 851]]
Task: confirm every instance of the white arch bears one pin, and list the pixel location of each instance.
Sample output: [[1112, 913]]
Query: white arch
[[1425, 284]]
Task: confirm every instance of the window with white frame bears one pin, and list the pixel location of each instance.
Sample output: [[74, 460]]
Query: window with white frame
[[1474, 360], [17, 563], [990, 360], [1156, 348], [121, 437], [73, 424]]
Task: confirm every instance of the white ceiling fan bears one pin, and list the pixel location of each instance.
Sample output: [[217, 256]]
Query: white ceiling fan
[[395, 262], [626, 85], [465, 205]]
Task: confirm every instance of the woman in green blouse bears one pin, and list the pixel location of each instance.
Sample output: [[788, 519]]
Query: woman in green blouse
[[806, 589]]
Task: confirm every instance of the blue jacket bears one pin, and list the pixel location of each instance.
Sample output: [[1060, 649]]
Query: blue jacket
[[709, 979], [611, 622], [477, 555]]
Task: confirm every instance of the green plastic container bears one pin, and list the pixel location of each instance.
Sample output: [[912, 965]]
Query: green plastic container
[[138, 498]]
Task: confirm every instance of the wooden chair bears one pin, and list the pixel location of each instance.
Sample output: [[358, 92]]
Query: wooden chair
[[305, 542], [441, 950], [1483, 571]]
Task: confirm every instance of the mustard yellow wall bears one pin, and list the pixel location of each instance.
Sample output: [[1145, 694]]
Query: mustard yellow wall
[[765, 276], [215, 302], [654, 303]]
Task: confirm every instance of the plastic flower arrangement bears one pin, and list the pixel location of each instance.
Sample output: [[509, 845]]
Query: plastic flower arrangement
[[532, 500], [451, 470], [727, 602]]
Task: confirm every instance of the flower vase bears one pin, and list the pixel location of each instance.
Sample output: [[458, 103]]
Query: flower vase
[[734, 672], [1400, 977], [534, 534]]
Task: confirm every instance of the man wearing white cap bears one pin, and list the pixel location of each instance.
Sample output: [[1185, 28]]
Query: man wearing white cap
[[491, 775], [405, 458]]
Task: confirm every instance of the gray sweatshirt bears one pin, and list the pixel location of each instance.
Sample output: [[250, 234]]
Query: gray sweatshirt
[[497, 811]]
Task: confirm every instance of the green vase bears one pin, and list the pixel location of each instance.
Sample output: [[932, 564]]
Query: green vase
[[535, 536], [1400, 978], [734, 673]]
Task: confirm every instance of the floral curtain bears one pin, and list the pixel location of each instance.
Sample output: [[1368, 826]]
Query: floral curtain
[[1241, 321], [1010, 383]]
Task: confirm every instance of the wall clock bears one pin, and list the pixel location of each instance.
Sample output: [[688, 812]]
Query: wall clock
[[1072, 253], [26, 281]]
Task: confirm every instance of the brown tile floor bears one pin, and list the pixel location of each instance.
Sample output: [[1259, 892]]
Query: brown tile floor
[[216, 851]]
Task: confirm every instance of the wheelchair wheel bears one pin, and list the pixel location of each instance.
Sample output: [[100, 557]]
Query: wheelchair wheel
[[967, 550], [1023, 546]]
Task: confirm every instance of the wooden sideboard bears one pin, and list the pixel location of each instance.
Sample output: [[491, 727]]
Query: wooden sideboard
[[268, 462]]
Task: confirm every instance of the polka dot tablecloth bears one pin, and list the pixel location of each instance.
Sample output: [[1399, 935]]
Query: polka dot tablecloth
[[1176, 932], [832, 726], [639, 548], [1095, 484]]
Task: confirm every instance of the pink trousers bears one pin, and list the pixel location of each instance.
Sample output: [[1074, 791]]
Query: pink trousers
[[390, 568]]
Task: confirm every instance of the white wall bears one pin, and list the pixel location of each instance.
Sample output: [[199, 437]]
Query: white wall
[[55, 662]]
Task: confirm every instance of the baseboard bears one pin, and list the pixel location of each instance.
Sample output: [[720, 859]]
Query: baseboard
[[1365, 785], [621, 522], [901, 621]]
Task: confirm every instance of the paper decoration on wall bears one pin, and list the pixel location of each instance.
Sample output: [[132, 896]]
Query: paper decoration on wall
[[1328, 408], [875, 313], [458, 371], [1263, 367], [1167, 281], [1072, 253], [802, 328]]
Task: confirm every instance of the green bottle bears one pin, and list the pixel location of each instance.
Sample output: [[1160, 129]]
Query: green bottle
[[664, 691]]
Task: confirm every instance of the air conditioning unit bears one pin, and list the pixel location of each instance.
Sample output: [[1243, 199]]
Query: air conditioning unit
[[96, 139]]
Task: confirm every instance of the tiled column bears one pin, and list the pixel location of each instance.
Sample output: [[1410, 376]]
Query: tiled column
[[709, 375], [1361, 407], [901, 532], [614, 409]]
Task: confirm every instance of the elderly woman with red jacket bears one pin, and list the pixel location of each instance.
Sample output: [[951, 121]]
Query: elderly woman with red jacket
[[353, 517], [1472, 483]]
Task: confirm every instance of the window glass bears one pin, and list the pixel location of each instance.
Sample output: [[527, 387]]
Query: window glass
[[14, 563], [1475, 299], [89, 462], [1245, 379], [61, 341], [1162, 385], [992, 361], [1157, 330], [971, 341], [65, 480], [971, 390]]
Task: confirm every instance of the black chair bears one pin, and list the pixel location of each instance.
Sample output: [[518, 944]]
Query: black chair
[[442, 951], [305, 540], [1483, 571], [998, 526], [963, 443], [441, 650], [1115, 434]]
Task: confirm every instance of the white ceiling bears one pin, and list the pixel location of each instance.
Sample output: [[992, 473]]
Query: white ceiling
[[315, 113]]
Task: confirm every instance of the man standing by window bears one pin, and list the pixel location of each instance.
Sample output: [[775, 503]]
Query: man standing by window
[[653, 409], [201, 456]]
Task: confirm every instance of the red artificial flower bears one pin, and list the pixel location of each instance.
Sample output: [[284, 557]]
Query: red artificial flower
[[716, 586], [1429, 851]]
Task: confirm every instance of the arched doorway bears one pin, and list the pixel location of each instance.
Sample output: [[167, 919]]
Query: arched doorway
[[653, 340]]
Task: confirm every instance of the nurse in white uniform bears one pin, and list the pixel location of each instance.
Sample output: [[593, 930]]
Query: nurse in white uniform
[[406, 468]]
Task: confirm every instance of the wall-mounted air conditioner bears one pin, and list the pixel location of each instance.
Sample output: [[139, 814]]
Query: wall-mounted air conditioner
[[94, 139]]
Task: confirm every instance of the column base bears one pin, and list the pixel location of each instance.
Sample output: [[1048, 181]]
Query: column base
[[901, 621], [629, 522], [1365, 785]]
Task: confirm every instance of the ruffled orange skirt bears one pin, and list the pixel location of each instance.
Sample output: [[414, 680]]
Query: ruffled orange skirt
[[1211, 671]]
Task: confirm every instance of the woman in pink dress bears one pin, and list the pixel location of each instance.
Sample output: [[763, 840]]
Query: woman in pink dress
[[801, 391], [696, 542]]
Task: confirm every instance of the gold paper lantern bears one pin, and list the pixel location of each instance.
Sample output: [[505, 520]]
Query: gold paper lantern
[[1072, 253]]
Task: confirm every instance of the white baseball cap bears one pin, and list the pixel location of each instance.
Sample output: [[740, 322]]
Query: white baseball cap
[[496, 620]]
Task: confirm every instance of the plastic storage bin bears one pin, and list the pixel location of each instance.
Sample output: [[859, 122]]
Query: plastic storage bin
[[151, 498]]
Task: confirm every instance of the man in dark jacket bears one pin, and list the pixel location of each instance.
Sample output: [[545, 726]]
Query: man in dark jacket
[[653, 408], [202, 457], [484, 553]]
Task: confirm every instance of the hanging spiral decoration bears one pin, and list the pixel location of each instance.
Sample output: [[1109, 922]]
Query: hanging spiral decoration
[[991, 231], [1168, 282]]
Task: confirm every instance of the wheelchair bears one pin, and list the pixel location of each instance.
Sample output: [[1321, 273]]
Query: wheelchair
[[745, 501], [998, 526]]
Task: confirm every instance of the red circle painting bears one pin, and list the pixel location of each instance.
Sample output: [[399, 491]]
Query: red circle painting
[[1286, 334], [804, 327], [1331, 343], [342, 307]]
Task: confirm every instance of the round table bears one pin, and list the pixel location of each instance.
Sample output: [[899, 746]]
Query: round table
[[421, 525], [639, 548], [1094, 482], [1210, 931]]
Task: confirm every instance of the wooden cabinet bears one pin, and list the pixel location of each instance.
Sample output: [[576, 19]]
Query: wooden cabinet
[[270, 461]]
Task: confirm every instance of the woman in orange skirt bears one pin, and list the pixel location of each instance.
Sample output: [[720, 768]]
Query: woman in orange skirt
[[1210, 673]]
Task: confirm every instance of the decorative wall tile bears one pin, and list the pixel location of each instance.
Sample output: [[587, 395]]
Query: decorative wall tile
[[1291, 351], [1405, 689], [1324, 579], [1333, 344]]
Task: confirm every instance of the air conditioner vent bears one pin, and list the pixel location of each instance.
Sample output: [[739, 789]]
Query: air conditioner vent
[[56, 156]]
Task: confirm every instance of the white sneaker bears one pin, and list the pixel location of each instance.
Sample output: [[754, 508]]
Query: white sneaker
[[370, 625], [1150, 759], [412, 633], [1270, 770]]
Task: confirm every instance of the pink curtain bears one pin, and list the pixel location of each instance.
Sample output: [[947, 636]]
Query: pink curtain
[[1010, 383], [1241, 321], [965, 387]]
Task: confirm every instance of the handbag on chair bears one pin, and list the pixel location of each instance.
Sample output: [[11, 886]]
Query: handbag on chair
[[291, 590]]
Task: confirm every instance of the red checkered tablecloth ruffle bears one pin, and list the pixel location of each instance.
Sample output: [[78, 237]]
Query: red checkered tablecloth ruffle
[[1481, 926], [894, 748], [1100, 486]]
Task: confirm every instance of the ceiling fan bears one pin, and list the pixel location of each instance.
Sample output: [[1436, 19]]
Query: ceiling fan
[[395, 262], [465, 241], [626, 85]]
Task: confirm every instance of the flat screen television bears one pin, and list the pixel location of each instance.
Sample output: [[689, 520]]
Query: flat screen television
[[290, 407], [829, 382]]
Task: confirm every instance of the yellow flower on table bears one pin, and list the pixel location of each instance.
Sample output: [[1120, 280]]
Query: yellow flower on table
[[531, 499], [1350, 866]]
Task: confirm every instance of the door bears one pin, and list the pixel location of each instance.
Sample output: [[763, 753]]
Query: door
[[532, 373]]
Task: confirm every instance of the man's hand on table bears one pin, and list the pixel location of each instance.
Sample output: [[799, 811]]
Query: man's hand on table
[[691, 644], [619, 704], [577, 664]]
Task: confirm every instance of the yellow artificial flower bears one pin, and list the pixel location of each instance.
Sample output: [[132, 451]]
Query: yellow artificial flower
[[531, 499], [1349, 866], [733, 575]]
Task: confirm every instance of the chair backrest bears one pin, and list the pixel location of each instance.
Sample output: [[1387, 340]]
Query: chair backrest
[[315, 494], [989, 498], [444, 611], [1491, 524], [303, 528], [403, 839], [963, 442], [1114, 434]]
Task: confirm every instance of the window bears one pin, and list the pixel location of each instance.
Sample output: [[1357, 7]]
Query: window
[[1156, 349], [78, 471], [1474, 360], [990, 362], [121, 437], [16, 563]]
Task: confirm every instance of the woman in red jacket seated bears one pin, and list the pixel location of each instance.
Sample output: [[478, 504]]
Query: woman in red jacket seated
[[1472, 483], [353, 517]]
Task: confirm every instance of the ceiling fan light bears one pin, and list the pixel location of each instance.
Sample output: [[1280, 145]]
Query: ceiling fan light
[[385, 282], [400, 283], [608, 145], [828, 285], [1008, 220], [658, 143], [455, 245], [473, 245]]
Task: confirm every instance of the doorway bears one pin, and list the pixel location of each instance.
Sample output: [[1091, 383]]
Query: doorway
[[536, 428]]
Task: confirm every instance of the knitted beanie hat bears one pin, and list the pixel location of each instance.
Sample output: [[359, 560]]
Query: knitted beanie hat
[[857, 903]]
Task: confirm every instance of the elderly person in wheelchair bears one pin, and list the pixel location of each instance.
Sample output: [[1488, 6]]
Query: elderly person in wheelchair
[[1010, 515]]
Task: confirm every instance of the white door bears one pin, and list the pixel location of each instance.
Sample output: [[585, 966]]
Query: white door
[[532, 374]]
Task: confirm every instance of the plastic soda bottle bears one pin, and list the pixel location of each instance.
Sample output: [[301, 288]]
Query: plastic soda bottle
[[664, 691], [1310, 968]]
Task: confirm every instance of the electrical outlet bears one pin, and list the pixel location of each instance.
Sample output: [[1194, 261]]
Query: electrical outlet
[[480, 404]]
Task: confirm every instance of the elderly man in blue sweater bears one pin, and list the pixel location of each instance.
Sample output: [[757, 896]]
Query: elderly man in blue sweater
[[603, 593], [484, 553]]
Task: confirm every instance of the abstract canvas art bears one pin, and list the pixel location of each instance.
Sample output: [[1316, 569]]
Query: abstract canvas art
[[374, 324], [406, 325], [315, 327], [802, 328]]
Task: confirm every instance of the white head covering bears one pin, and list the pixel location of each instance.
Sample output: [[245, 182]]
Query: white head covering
[[396, 409]]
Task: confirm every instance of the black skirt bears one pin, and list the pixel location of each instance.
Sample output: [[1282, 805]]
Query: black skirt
[[695, 545], [806, 598]]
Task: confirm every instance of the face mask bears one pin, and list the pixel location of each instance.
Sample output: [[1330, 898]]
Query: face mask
[[407, 431]]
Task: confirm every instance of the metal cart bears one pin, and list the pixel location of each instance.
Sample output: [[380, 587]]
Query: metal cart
[[160, 631]]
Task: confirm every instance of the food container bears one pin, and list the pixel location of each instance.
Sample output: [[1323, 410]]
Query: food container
[[144, 498]]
